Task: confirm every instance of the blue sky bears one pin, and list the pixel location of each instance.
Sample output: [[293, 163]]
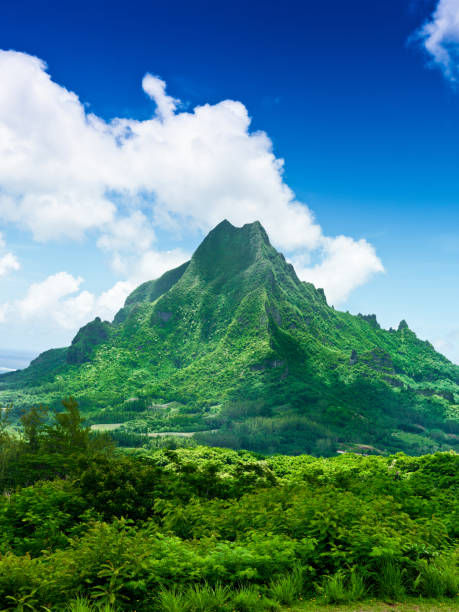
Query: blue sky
[[358, 100]]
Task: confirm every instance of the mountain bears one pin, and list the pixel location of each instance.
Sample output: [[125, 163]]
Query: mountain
[[234, 345]]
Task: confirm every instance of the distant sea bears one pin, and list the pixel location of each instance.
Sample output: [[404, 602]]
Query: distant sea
[[11, 359]]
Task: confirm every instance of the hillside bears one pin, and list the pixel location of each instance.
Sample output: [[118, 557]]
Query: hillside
[[234, 345]]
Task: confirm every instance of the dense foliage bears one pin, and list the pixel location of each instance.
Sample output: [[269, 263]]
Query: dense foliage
[[234, 342], [215, 529]]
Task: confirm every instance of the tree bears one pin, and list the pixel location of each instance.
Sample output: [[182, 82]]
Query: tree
[[68, 435], [9, 445], [32, 425]]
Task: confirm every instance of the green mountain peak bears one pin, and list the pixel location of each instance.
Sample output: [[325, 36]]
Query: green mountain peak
[[228, 249], [241, 346]]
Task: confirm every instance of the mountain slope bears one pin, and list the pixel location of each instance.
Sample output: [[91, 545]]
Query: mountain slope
[[233, 341]]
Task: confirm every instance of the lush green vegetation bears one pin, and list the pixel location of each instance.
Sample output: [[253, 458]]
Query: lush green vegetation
[[85, 525], [233, 341]]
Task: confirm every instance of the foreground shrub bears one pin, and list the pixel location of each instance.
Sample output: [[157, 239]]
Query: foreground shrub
[[204, 598], [170, 601], [81, 604], [287, 589], [207, 529], [437, 578], [249, 599], [342, 587], [390, 581]]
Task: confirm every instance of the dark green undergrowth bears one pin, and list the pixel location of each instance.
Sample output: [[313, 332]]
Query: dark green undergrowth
[[86, 526]]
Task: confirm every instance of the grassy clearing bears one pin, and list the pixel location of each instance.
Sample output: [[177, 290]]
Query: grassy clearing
[[179, 434], [106, 426]]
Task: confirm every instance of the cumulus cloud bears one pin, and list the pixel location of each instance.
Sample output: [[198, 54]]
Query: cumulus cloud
[[126, 240], [449, 345], [130, 233], [440, 36], [154, 263], [154, 87], [42, 297], [59, 296], [346, 264], [66, 173], [8, 261], [59, 301]]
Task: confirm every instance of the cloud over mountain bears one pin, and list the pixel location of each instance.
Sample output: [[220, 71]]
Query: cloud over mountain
[[66, 173]]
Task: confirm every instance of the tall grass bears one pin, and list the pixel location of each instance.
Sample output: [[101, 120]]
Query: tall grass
[[81, 604], [288, 588], [342, 587], [204, 598], [170, 601], [438, 578], [390, 581], [249, 599], [198, 598]]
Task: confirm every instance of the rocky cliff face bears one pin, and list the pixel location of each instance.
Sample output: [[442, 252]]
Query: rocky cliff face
[[86, 340]]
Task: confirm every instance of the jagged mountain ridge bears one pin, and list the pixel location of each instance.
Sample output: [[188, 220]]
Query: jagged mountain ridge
[[234, 336]]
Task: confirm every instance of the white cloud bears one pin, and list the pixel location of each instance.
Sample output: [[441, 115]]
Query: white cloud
[[110, 301], [59, 300], [156, 89], [449, 345], [440, 37], [132, 233], [8, 262], [154, 263], [346, 264], [59, 297], [42, 297], [65, 173]]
